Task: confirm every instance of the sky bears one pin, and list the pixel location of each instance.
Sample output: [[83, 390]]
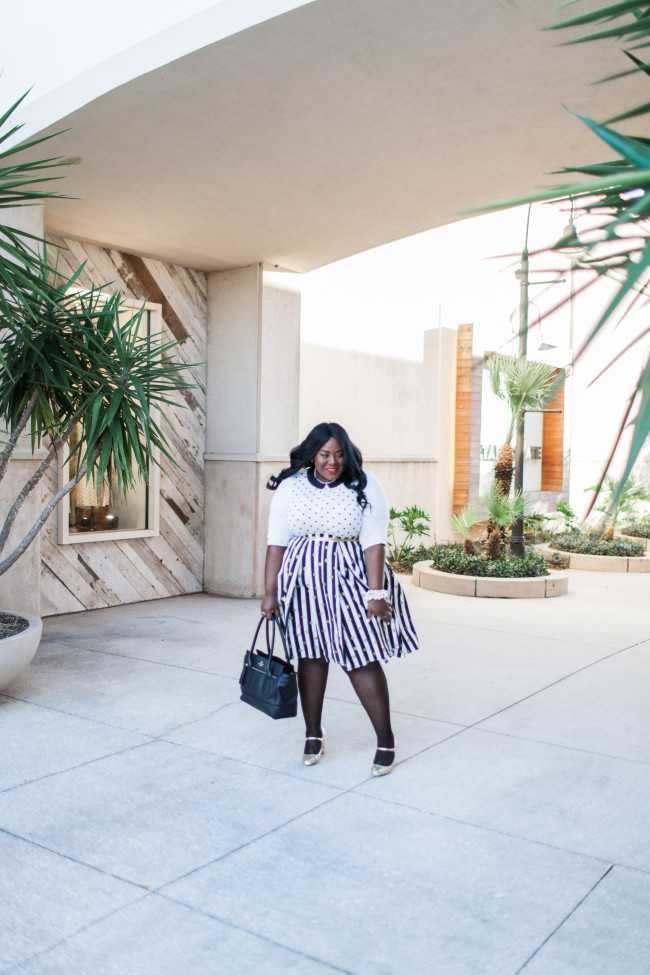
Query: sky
[[383, 300]]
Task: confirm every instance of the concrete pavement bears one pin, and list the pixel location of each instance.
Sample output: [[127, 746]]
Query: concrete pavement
[[151, 824]]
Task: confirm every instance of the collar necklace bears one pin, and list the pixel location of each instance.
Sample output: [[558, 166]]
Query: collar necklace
[[315, 481]]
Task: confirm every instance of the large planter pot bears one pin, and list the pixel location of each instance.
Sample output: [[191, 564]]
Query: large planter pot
[[535, 587], [17, 652], [600, 563]]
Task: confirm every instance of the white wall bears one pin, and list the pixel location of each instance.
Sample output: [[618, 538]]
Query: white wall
[[400, 414]]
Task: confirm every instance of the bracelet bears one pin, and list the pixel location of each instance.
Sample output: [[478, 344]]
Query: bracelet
[[375, 594]]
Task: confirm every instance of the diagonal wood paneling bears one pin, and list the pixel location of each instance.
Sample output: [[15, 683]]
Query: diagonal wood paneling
[[97, 574]]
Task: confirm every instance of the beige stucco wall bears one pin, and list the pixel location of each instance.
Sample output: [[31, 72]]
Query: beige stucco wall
[[399, 413]]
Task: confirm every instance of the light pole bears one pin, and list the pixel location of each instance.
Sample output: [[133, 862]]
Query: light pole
[[568, 243], [523, 276]]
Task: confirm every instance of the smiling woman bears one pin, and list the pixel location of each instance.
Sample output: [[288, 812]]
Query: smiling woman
[[328, 582]]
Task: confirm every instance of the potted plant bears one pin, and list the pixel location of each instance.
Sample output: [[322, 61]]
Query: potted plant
[[70, 360]]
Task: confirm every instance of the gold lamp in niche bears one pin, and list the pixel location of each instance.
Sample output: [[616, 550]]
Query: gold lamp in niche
[[91, 502]]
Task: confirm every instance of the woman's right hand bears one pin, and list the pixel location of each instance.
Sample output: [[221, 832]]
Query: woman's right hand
[[270, 606]]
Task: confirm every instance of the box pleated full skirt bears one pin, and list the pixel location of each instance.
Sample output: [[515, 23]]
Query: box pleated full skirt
[[321, 588]]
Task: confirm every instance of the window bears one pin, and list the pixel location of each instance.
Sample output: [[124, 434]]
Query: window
[[92, 513]]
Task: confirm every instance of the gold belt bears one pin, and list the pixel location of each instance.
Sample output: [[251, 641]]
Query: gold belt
[[331, 538]]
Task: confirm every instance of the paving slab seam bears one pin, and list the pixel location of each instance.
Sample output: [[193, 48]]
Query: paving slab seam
[[157, 663], [73, 768], [556, 744], [68, 856], [499, 832], [256, 839], [554, 683], [254, 934], [187, 724], [51, 948], [524, 634], [407, 714], [265, 768], [242, 761], [79, 717], [563, 921]]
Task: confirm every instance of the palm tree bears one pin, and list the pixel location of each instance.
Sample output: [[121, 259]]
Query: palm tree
[[463, 524], [526, 386], [502, 511]]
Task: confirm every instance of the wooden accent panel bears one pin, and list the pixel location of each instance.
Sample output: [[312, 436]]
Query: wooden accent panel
[[92, 575], [463, 436], [553, 444], [155, 293]]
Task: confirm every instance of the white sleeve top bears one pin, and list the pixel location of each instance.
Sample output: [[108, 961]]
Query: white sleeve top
[[303, 505]]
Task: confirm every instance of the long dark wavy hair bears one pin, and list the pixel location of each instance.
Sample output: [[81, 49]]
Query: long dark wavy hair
[[302, 457]]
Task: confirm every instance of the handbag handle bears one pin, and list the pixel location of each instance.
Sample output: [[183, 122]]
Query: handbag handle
[[270, 644]]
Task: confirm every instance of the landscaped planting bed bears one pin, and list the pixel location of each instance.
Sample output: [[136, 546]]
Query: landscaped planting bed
[[598, 563]]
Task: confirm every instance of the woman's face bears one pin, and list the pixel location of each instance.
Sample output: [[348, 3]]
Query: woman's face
[[329, 460]]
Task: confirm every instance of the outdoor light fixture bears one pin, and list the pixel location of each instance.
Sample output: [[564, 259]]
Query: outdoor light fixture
[[569, 242]]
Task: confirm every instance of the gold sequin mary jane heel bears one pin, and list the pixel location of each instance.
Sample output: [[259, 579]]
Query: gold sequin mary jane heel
[[308, 759], [383, 769]]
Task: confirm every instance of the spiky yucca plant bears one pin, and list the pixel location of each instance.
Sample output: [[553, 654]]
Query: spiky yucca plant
[[463, 524], [525, 386], [70, 361], [617, 498]]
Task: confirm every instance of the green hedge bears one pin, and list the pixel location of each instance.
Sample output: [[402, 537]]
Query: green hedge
[[595, 544], [639, 528], [452, 558]]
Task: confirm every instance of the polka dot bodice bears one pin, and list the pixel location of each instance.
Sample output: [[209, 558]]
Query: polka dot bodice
[[302, 506], [323, 511]]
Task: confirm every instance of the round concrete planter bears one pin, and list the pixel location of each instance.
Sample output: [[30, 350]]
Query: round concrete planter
[[16, 652], [536, 587], [600, 563]]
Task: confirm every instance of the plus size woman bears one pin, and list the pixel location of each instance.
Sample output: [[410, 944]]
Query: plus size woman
[[327, 579]]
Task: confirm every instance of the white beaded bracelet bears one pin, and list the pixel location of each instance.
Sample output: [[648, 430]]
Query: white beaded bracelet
[[375, 594]]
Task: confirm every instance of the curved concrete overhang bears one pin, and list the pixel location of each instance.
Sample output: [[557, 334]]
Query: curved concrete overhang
[[332, 128]]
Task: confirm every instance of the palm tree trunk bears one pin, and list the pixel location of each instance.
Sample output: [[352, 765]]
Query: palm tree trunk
[[504, 469]]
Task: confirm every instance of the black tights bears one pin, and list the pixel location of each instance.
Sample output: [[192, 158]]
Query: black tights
[[371, 688]]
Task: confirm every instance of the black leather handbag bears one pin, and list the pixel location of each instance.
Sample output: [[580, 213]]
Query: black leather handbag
[[269, 683]]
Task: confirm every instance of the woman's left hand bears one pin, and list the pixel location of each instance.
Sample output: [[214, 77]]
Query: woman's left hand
[[381, 608]]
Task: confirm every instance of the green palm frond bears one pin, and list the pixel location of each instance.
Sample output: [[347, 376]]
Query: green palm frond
[[502, 510], [466, 520], [525, 385], [622, 217]]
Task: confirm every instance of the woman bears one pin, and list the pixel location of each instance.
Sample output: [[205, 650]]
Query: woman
[[327, 579]]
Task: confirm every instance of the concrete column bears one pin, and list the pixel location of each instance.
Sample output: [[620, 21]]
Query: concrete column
[[253, 366], [20, 586]]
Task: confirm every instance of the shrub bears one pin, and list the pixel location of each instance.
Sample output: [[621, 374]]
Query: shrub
[[557, 561], [407, 561], [593, 543], [452, 558], [414, 523], [641, 529]]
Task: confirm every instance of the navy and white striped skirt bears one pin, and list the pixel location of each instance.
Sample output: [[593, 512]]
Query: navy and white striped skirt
[[321, 588]]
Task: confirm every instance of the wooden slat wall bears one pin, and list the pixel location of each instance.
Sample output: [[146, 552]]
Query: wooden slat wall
[[553, 444], [463, 437], [97, 574]]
